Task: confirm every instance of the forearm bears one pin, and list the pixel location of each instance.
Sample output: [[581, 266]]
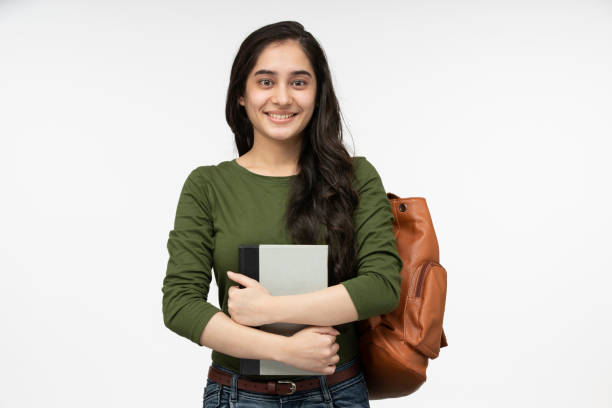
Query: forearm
[[225, 335], [326, 307]]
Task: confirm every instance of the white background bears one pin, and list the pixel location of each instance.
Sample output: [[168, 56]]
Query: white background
[[498, 112]]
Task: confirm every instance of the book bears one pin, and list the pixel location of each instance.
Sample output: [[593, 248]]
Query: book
[[283, 270]]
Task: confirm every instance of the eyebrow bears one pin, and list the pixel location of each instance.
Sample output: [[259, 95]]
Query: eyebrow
[[268, 72]]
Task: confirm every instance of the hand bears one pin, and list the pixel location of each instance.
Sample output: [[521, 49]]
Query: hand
[[313, 348], [250, 305]]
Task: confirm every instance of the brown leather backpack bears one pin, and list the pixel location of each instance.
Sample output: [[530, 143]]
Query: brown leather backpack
[[395, 348]]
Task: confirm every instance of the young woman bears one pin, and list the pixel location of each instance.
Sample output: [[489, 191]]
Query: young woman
[[293, 183]]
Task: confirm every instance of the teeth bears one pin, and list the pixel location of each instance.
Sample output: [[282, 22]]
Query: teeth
[[279, 116]]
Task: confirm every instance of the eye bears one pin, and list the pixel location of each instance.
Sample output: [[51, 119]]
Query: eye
[[300, 82]]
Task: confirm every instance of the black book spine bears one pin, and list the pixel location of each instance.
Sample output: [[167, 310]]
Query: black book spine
[[248, 264]]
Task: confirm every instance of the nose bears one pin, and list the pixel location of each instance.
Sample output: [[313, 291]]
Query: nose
[[281, 95]]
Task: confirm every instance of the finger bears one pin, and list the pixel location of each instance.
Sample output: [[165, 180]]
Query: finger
[[326, 330], [242, 279], [332, 331]]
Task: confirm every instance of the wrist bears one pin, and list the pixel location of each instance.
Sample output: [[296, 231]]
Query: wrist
[[281, 348], [273, 312]]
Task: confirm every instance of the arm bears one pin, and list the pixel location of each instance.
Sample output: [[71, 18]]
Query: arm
[[326, 307], [223, 334], [376, 288], [185, 308]]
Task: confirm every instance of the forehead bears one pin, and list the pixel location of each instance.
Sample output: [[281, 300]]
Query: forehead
[[283, 58]]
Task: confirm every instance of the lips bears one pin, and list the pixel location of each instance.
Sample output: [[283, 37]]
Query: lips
[[282, 120]]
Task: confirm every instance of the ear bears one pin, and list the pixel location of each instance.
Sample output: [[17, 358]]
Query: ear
[[241, 101]]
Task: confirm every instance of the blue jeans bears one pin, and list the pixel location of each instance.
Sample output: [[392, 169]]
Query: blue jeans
[[351, 392]]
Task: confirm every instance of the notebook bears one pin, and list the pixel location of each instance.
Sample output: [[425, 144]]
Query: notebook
[[282, 270]]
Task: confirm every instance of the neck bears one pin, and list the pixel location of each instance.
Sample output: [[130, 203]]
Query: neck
[[274, 156]]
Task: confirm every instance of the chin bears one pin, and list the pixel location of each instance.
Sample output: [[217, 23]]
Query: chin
[[281, 138]]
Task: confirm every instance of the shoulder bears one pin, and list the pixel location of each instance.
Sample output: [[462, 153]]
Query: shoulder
[[199, 182], [204, 175], [210, 178], [200, 176], [364, 171], [362, 165]]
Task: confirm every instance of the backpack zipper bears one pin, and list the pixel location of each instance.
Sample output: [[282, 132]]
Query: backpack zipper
[[421, 277]]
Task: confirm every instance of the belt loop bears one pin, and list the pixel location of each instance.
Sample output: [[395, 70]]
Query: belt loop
[[234, 391], [326, 393]]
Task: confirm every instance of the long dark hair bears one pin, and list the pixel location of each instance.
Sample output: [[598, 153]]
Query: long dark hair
[[322, 198]]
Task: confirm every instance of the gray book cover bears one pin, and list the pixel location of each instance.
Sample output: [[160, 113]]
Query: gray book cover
[[282, 270]]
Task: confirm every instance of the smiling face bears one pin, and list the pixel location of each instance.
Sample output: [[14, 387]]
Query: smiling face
[[281, 82]]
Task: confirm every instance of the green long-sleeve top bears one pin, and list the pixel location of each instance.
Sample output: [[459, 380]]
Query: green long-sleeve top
[[226, 205]]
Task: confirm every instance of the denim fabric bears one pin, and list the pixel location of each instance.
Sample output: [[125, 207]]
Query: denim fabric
[[351, 392]]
